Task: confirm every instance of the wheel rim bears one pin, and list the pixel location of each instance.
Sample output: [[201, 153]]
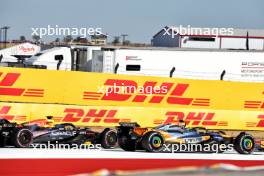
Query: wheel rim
[[111, 138], [156, 142], [24, 138], [247, 144]]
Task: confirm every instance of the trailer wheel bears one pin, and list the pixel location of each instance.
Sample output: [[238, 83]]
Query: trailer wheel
[[108, 138], [244, 143], [126, 143], [152, 141], [22, 138]]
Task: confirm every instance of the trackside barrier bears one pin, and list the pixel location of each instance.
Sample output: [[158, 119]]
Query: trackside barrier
[[98, 99], [97, 89], [145, 116]]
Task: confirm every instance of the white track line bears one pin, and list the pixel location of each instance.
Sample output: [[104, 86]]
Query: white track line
[[13, 153]]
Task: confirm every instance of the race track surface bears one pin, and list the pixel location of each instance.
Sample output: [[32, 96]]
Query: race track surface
[[61, 162], [119, 153]]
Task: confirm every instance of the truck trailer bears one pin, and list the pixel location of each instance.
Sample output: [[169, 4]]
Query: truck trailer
[[238, 65]]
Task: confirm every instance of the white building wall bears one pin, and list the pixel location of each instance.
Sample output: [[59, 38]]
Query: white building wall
[[186, 43], [240, 43], [236, 41]]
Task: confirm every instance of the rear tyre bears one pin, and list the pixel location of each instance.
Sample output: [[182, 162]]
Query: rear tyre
[[152, 141], [244, 143], [126, 143], [108, 138], [2, 141], [22, 138]]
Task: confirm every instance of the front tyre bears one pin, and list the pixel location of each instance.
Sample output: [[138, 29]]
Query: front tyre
[[22, 138], [152, 141], [244, 143]]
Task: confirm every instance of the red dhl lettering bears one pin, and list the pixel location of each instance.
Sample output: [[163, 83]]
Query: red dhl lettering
[[175, 97], [4, 110], [254, 104], [193, 118], [92, 115], [6, 87], [261, 121], [8, 80], [4, 113]]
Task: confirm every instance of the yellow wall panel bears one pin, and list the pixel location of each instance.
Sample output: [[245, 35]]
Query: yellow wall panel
[[145, 116], [80, 88]]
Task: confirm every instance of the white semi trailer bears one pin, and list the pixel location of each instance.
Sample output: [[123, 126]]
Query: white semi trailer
[[235, 65]]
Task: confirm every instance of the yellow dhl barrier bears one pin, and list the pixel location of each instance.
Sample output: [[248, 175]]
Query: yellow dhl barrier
[[97, 89], [145, 116]]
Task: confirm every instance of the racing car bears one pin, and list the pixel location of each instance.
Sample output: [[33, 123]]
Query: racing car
[[132, 137], [260, 145], [12, 134], [44, 131]]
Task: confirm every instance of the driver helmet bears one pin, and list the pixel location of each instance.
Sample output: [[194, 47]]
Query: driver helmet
[[182, 123]]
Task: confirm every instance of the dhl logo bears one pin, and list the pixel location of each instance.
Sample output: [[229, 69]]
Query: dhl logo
[[175, 97], [192, 118], [4, 114], [260, 123], [91, 115], [249, 104], [109, 116], [254, 104], [7, 82]]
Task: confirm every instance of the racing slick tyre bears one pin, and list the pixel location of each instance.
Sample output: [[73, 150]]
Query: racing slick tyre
[[152, 141], [126, 143], [108, 138], [22, 138], [244, 143], [2, 141]]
